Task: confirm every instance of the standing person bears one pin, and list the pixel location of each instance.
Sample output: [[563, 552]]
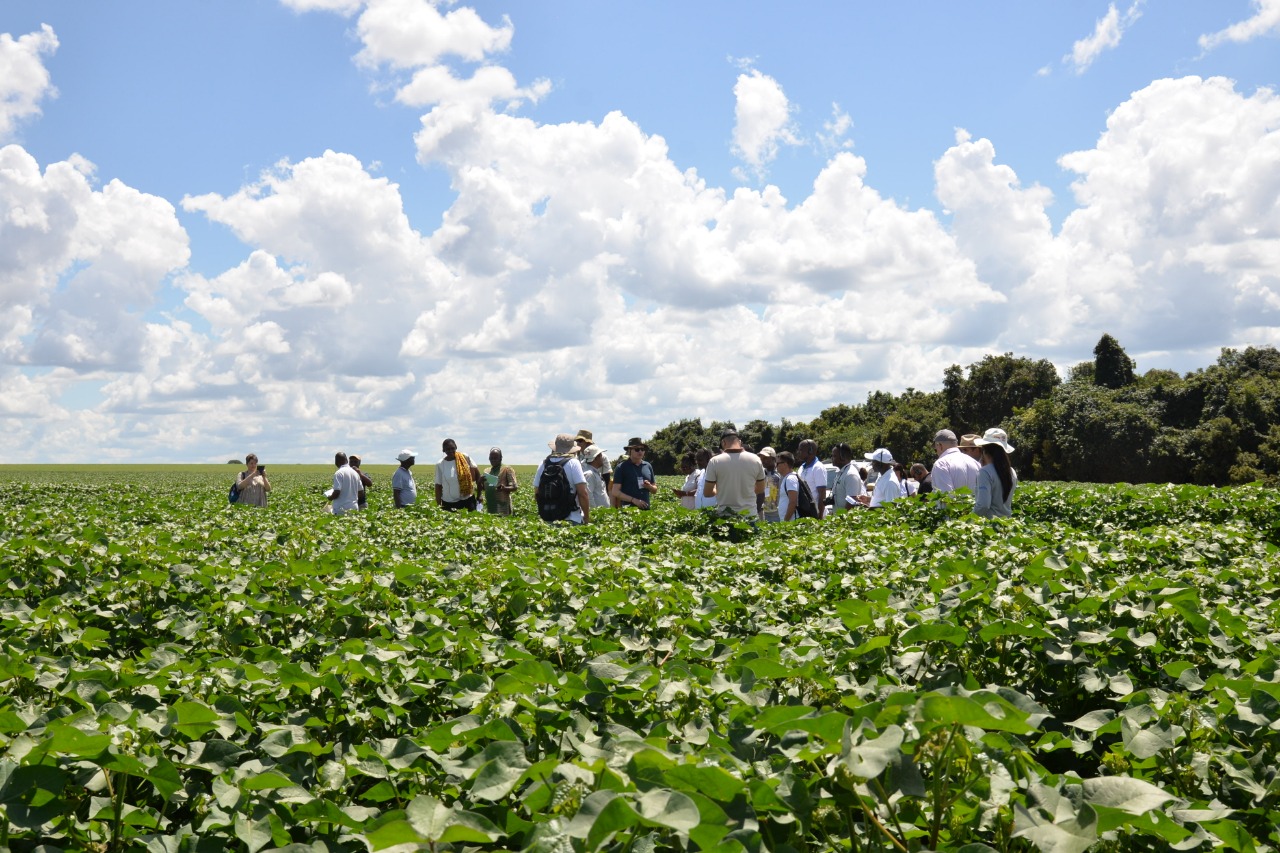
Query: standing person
[[252, 483], [813, 472], [767, 501], [735, 476], [633, 479], [404, 491], [788, 488], [559, 486], [909, 486], [584, 440], [922, 476], [456, 479], [593, 462], [688, 493], [996, 478], [887, 488], [701, 500], [954, 469], [499, 483], [362, 502], [848, 484], [344, 497]]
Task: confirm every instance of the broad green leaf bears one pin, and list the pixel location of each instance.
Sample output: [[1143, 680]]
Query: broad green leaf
[[867, 759]]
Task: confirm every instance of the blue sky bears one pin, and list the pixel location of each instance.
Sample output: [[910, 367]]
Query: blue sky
[[320, 223]]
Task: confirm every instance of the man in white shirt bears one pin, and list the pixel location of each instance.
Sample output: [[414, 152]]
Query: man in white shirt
[[345, 494], [888, 487], [953, 469], [404, 491], [813, 472], [701, 500], [734, 476], [565, 450]]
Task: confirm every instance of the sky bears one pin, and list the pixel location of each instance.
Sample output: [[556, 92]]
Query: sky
[[291, 227]]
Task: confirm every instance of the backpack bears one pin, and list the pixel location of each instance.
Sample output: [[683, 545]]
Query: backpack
[[234, 494], [556, 498], [805, 506]]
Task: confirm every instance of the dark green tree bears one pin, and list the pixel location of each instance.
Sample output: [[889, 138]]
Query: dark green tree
[[1112, 367]]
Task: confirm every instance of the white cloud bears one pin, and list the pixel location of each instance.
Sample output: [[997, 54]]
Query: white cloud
[[414, 34], [342, 7], [762, 120], [80, 266], [24, 81], [437, 84], [1265, 21], [1107, 32]]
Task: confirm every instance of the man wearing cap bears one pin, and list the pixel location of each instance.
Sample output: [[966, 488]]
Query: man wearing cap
[[499, 482], [813, 472], [403, 489], [734, 476], [584, 440], [767, 501], [953, 469], [888, 487], [633, 479], [565, 450]]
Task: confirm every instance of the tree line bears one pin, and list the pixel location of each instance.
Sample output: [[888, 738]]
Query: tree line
[[1103, 423]]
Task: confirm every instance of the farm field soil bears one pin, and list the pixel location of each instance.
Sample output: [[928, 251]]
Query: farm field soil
[[177, 673]]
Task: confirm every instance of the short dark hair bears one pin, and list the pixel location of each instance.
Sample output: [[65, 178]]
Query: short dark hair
[[449, 446], [339, 459], [788, 457]]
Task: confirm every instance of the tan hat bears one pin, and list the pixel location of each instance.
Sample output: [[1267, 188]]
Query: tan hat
[[968, 439], [590, 452], [584, 435], [564, 445], [636, 442], [767, 451]]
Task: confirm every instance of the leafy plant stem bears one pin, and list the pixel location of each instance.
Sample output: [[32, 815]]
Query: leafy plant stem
[[880, 826], [939, 788]]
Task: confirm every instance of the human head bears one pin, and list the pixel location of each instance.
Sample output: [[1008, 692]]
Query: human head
[[944, 440], [786, 462], [995, 435], [251, 461], [806, 450], [686, 464], [584, 438], [635, 450], [841, 454], [449, 447], [919, 472], [703, 457], [339, 459], [406, 458], [564, 445], [730, 440], [880, 458], [495, 456], [768, 458], [967, 446], [353, 460], [593, 456]]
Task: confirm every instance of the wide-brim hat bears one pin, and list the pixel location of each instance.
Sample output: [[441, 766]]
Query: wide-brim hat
[[881, 455], [590, 452], [969, 439], [405, 455], [564, 444], [995, 435], [584, 435], [636, 442]]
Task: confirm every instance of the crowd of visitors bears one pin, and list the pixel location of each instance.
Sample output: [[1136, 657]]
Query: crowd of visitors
[[765, 485]]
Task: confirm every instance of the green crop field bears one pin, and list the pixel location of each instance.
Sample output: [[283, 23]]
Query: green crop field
[[177, 673]]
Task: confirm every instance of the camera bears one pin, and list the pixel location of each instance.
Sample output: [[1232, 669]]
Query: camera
[[262, 468]]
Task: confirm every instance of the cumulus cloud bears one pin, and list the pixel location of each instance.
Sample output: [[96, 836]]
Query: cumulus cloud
[[24, 81], [762, 120], [80, 266], [1265, 21]]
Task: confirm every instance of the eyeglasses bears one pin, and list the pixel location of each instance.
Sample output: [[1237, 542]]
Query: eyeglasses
[[636, 449]]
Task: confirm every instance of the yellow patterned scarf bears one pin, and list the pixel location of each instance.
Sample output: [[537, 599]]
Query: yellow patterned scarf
[[465, 484]]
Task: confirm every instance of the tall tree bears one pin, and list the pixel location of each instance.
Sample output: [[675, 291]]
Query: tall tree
[[1112, 367]]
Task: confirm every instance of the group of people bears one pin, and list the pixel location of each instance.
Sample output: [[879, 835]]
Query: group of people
[[771, 486]]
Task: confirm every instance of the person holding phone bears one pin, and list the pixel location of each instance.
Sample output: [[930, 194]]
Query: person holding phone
[[252, 482]]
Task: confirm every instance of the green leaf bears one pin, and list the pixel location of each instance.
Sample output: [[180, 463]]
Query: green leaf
[[671, 809], [868, 759], [1121, 792], [440, 824]]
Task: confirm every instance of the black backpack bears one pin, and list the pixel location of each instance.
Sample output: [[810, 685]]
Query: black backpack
[[555, 496], [805, 506]]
